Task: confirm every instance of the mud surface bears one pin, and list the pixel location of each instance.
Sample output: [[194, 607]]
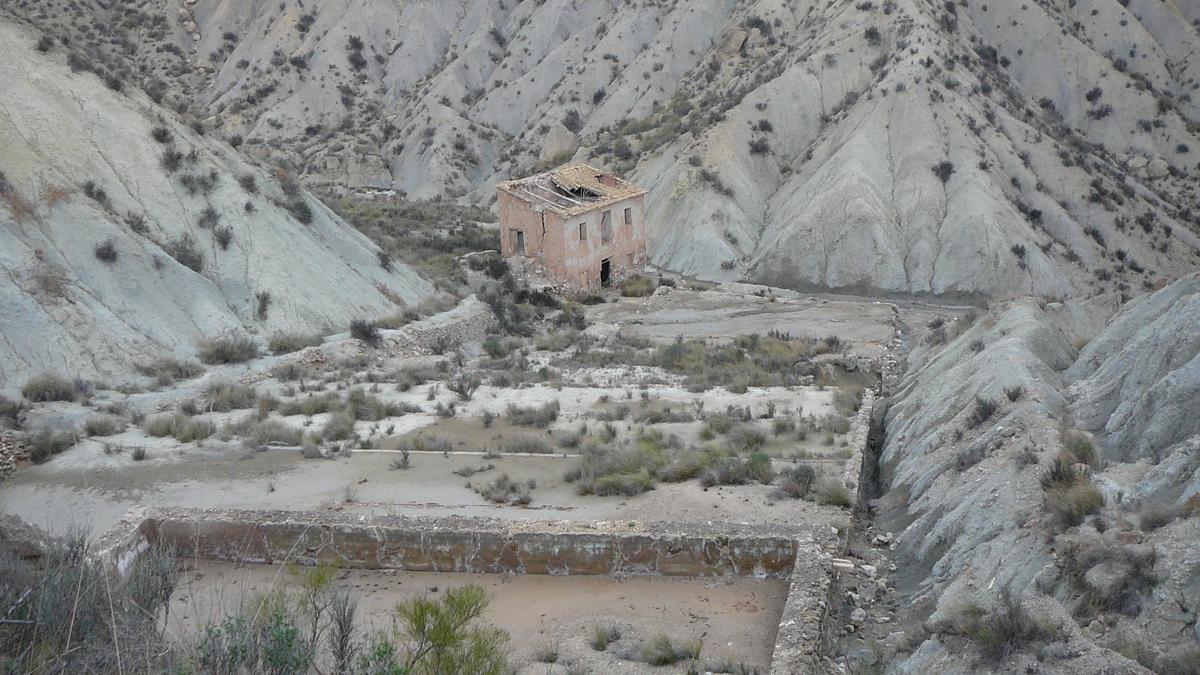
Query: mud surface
[[735, 619]]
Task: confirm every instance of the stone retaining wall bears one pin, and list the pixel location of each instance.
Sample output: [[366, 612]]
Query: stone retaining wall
[[470, 321], [860, 431], [474, 545]]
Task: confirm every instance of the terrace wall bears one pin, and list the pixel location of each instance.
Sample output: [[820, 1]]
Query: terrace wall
[[474, 545]]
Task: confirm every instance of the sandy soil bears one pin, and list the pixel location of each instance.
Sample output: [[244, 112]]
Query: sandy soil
[[736, 619]]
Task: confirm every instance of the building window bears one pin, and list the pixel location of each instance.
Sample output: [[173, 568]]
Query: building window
[[583, 232], [606, 227], [629, 216], [518, 242]]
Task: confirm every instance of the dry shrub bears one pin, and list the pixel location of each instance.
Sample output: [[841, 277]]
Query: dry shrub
[[48, 387], [52, 194], [1003, 631], [20, 208], [49, 281]]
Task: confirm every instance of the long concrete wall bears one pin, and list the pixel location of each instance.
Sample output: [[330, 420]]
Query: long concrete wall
[[475, 544]]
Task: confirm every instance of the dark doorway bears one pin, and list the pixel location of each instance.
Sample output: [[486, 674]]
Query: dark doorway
[[604, 272]]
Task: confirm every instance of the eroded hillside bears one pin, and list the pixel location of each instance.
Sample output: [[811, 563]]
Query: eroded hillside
[[1044, 458], [126, 235], [905, 145]]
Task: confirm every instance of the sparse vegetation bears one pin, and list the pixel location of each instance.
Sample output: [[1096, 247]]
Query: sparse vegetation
[[103, 425], [1004, 630], [46, 443], [1068, 494], [229, 349], [540, 416], [504, 490], [183, 428], [106, 251], [48, 387], [226, 396], [981, 412], [463, 384], [166, 370], [663, 651], [637, 286], [603, 636], [286, 343], [365, 331]]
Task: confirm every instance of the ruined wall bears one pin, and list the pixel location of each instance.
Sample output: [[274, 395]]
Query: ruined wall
[[580, 259], [554, 244], [860, 431], [12, 450], [470, 321], [475, 544]]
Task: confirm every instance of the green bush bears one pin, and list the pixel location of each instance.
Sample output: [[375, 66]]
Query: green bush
[[626, 471], [228, 350], [48, 387]]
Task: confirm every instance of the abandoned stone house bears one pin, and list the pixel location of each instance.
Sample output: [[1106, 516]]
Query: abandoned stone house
[[583, 227]]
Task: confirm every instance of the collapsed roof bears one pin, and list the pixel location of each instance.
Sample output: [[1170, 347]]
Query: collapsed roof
[[571, 189]]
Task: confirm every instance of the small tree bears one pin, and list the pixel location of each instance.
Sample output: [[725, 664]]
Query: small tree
[[442, 637]]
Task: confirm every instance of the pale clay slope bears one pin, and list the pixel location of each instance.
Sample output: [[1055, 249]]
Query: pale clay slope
[[864, 211], [58, 128], [964, 535]]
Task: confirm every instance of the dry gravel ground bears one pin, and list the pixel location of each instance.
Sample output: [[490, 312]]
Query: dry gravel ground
[[733, 310], [735, 618], [280, 479]]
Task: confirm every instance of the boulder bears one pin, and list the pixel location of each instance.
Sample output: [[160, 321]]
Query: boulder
[[559, 142]]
